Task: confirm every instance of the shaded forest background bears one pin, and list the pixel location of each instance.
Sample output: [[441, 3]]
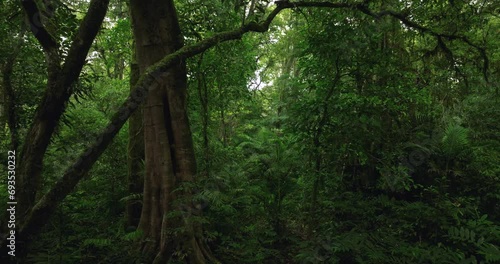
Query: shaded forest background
[[343, 134]]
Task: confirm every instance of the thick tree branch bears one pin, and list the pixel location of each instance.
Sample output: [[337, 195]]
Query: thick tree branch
[[36, 26]]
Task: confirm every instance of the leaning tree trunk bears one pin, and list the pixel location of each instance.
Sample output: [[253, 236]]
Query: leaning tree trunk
[[60, 78], [169, 153]]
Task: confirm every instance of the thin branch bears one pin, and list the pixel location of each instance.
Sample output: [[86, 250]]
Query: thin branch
[[406, 21], [401, 16]]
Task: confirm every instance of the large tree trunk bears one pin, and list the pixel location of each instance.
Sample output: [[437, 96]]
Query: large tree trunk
[[169, 153]]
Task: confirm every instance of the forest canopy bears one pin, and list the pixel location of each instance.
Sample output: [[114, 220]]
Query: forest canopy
[[245, 131]]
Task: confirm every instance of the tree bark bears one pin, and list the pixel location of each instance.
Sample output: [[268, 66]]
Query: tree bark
[[169, 151]]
